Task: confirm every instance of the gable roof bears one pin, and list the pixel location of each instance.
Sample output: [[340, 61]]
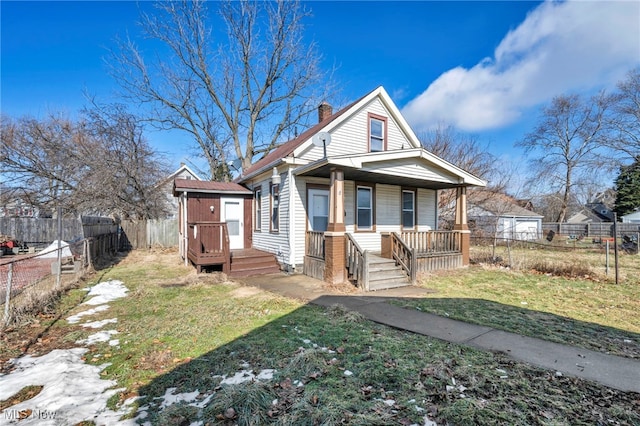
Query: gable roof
[[190, 185], [304, 139], [287, 148], [498, 204]]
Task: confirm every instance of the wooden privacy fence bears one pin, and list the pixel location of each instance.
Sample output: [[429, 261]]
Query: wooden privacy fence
[[596, 229], [148, 233]]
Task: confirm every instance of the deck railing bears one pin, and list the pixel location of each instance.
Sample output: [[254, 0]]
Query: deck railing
[[209, 244], [315, 244], [433, 242], [356, 260], [404, 255]]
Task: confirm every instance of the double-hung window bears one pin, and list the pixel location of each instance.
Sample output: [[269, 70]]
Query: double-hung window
[[408, 209], [377, 133], [364, 207], [257, 199]]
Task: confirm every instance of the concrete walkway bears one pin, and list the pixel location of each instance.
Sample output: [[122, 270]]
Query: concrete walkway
[[613, 371]]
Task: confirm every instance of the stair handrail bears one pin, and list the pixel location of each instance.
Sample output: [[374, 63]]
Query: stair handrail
[[405, 256], [357, 261]]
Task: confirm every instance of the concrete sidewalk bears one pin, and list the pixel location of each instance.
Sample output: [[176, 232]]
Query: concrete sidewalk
[[613, 371]]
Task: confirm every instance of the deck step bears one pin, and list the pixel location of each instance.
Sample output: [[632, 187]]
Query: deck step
[[250, 262]]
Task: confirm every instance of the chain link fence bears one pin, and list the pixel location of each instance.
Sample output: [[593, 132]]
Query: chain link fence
[[31, 282]]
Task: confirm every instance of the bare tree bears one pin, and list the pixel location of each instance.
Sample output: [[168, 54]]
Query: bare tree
[[237, 94], [125, 170], [625, 117], [567, 143], [99, 165], [466, 152], [40, 160]]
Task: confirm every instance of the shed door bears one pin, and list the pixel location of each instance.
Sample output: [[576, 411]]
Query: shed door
[[233, 214]]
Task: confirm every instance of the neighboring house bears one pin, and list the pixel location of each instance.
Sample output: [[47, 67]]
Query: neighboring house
[[587, 216], [499, 215], [631, 217], [355, 185], [183, 172]]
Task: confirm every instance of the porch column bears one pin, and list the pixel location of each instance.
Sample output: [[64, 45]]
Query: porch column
[[334, 251], [461, 224]]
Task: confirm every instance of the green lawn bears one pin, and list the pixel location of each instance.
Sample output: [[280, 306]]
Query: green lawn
[[179, 330]]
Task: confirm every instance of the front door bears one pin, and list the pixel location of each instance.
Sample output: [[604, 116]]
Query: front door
[[233, 214], [318, 209]]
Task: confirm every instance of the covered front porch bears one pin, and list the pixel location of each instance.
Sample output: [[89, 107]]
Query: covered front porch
[[404, 245]]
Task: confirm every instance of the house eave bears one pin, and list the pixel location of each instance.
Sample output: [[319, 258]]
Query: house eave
[[353, 167]]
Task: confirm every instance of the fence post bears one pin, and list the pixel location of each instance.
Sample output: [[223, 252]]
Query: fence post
[[8, 295]]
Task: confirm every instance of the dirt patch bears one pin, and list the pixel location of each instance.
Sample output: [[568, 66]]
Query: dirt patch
[[243, 292]]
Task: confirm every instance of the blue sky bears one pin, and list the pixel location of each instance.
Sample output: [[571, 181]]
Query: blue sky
[[484, 67]]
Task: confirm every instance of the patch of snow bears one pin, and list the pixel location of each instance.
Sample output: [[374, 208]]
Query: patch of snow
[[73, 319], [389, 402], [106, 291], [348, 373], [99, 337], [51, 251], [72, 391], [247, 376], [114, 342], [170, 398], [101, 323]]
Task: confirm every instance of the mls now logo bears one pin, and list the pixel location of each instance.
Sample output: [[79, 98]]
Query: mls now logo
[[29, 414]]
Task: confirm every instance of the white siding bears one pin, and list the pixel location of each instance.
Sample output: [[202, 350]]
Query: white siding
[[276, 243], [410, 168], [427, 209], [351, 136]]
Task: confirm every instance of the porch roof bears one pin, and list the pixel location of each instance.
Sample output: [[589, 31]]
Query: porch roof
[[414, 167]]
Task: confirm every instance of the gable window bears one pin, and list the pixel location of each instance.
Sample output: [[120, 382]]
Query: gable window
[[275, 208], [408, 209], [257, 200], [377, 133], [364, 208]]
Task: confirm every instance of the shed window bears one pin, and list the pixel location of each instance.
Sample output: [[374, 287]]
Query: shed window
[[275, 208], [364, 214]]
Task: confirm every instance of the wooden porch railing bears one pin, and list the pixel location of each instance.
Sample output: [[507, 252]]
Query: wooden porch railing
[[405, 256], [209, 244], [433, 242], [356, 262], [315, 244]]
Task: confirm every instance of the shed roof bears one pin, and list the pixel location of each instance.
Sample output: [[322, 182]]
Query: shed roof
[[190, 185]]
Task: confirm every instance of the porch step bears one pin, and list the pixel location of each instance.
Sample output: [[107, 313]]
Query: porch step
[[248, 262], [384, 274]]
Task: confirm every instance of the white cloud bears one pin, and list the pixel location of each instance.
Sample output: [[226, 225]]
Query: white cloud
[[560, 47]]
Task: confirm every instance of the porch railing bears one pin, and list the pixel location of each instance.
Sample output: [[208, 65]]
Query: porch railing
[[357, 260], [404, 255], [209, 244], [433, 242], [315, 244]]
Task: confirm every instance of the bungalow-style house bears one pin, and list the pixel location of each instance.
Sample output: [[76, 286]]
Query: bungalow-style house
[[498, 215], [352, 198]]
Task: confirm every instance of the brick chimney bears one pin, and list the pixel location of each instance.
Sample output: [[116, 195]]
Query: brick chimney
[[324, 111]]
